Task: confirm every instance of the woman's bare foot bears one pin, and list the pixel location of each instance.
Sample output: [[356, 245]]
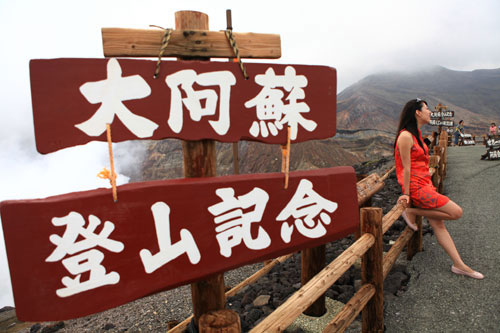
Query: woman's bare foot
[[408, 219]]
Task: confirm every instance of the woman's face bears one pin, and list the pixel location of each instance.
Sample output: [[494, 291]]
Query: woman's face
[[424, 115]]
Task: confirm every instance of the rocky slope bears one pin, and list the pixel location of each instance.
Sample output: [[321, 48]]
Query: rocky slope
[[163, 159]]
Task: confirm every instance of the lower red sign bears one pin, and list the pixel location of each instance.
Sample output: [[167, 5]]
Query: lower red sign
[[80, 253]]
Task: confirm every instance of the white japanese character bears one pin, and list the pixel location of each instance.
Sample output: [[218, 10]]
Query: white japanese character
[[168, 251], [193, 101], [306, 207], [111, 92], [234, 225], [86, 261], [272, 112]]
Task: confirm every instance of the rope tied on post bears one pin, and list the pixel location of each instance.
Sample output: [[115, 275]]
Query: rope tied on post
[[232, 42], [285, 158], [164, 43], [107, 174]]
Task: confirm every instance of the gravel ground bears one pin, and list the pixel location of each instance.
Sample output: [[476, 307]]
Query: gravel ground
[[148, 314]]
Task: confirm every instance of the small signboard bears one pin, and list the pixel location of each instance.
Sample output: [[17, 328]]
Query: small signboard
[[468, 140], [73, 99], [494, 154], [80, 253], [442, 114], [437, 122]]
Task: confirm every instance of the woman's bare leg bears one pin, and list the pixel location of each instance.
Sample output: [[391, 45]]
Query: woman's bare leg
[[446, 242], [450, 211]]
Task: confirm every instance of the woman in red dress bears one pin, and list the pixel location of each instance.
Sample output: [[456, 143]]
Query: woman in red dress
[[411, 157]]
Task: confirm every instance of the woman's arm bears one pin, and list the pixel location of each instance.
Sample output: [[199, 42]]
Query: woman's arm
[[405, 142]]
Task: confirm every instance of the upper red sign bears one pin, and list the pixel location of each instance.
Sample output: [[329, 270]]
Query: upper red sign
[[73, 99], [81, 253]]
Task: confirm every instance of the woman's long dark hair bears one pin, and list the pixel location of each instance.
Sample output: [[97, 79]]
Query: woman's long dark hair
[[408, 121]]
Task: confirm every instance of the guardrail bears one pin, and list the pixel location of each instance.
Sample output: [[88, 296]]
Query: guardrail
[[375, 266]]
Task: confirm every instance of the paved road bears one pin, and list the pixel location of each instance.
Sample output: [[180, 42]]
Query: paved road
[[438, 300]]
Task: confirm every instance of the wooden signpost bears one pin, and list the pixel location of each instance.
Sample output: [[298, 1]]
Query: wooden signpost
[[90, 253], [442, 117]]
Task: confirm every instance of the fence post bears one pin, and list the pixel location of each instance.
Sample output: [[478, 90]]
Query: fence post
[[372, 270], [438, 150], [226, 321], [313, 260], [442, 143], [367, 203], [415, 243]]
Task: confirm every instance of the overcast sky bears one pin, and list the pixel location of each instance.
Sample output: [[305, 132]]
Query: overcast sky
[[358, 38]]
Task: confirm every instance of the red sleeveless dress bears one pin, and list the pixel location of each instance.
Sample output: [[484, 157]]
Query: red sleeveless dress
[[422, 193]]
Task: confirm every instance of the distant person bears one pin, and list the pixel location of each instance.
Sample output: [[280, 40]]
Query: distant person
[[493, 129], [412, 169], [459, 131]]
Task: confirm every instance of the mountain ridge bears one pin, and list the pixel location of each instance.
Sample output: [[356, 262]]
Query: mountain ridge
[[376, 100]]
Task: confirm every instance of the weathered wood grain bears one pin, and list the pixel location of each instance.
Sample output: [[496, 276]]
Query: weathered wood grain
[[372, 270], [124, 42]]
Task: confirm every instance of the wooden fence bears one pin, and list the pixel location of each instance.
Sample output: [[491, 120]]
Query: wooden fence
[[375, 265]]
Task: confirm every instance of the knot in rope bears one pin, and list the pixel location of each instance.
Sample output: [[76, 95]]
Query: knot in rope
[[106, 174]]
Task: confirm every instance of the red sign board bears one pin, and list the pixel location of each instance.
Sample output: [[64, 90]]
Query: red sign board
[[73, 99], [80, 253]]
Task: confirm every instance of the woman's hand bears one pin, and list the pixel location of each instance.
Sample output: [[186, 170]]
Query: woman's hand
[[404, 200]]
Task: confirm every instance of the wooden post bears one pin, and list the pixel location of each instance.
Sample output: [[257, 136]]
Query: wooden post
[[372, 270], [443, 143], [415, 242], [226, 321], [439, 108], [434, 163], [367, 203], [200, 161], [313, 261], [438, 150]]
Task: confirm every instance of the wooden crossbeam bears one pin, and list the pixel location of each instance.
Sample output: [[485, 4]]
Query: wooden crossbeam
[[124, 42]]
